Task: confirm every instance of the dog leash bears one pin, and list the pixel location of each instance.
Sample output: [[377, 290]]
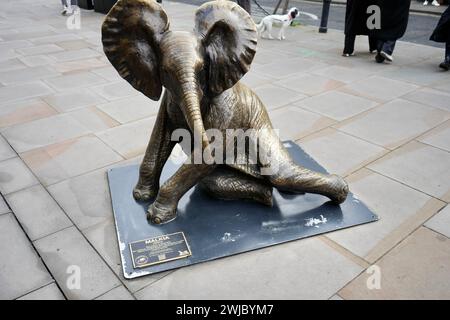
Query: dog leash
[[260, 7]]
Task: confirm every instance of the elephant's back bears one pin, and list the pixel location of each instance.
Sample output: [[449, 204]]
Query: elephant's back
[[253, 106]]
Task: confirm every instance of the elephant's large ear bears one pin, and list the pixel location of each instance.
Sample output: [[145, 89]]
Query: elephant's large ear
[[130, 34], [229, 38]]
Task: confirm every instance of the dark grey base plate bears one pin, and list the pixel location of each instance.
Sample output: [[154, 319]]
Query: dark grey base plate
[[217, 228]]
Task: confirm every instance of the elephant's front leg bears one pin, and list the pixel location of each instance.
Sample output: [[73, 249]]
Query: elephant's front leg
[[165, 206], [156, 155]]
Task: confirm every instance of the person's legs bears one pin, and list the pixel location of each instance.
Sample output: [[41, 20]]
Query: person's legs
[[387, 49], [65, 9], [447, 51], [446, 64], [379, 45], [349, 44], [389, 46], [373, 42]]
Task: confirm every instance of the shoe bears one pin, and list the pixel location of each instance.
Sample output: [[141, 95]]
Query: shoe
[[445, 65], [388, 57], [66, 11], [425, 3], [372, 51], [348, 54], [435, 3], [379, 58]]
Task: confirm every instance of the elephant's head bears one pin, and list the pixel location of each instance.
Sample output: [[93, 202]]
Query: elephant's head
[[137, 41]]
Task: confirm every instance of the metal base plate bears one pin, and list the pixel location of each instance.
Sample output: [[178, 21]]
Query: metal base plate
[[217, 228]]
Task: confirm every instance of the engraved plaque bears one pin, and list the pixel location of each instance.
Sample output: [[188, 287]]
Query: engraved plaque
[[159, 249]]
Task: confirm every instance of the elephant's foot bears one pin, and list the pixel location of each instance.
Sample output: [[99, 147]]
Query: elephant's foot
[[338, 189], [265, 197], [144, 193], [159, 214], [229, 184]]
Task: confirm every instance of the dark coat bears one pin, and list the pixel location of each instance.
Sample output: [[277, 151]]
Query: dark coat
[[394, 18], [442, 31], [356, 17]]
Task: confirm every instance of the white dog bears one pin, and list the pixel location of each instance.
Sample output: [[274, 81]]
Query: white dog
[[281, 20]]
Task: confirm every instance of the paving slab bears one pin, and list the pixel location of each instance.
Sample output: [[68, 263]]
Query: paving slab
[[80, 66], [309, 84], [103, 238], [11, 64], [6, 152], [131, 109], [37, 61], [438, 137], [4, 208], [37, 212], [28, 136], [71, 55], [340, 153], [119, 293], [400, 209], [423, 73], [94, 119], [67, 252], [274, 97], [284, 68], [417, 268], [434, 98], [116, 90], [38, 50], [49, 292], [23, 91], [70, 158], [254, 79], [343, 74], [441, 222], [22, 270], [84, 198], [75, 45], [24, 111], [420, 166], [131, 139], [337, 105], [27, 75], [394, 123], [51, 39], [304, 275], [70, 100], [15, 175], [294, 123], [379, 88], [109, 73], [74, 80]]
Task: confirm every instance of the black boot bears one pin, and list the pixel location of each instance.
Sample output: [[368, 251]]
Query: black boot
[[379, 58], [446, 64]]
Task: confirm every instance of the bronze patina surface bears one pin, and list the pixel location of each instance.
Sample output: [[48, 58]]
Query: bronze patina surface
[[200, 72]]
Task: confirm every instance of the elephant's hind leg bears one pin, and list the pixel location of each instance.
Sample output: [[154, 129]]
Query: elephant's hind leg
[[294, 178], [286, 175], [229, 184]]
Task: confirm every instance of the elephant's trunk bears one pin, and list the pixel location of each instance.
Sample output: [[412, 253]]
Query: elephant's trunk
[[190, 106]]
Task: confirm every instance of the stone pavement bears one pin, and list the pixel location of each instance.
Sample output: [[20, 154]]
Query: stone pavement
[[416, 6], [66, 116]]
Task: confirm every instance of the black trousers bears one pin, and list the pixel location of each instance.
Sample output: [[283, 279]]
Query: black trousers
[[349, 43], [447, 51]]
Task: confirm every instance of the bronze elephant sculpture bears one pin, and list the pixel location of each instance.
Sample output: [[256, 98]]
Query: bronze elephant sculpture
[[200, 71]]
